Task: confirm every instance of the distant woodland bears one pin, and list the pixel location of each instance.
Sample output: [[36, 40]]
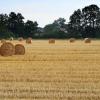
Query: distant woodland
[[82, 23]]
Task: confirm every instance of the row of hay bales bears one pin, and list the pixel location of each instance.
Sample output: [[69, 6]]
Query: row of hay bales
[[86, 40], [72, 40], [8, 49], [28, 40], [21, 39]]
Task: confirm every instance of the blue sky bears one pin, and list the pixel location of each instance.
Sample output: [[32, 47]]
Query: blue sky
[[44, 11]]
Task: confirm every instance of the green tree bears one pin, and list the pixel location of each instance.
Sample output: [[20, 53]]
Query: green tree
[[74, 26], [4, 32], [56, 30], [90, 14], [20, 25], [85, 22], [30, 28], [3, 22], [12, 22], [16, 24]]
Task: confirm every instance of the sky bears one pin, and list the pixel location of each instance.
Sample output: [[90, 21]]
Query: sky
[[44, 11]]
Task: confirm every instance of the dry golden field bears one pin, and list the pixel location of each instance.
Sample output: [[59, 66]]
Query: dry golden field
[[60, 71]]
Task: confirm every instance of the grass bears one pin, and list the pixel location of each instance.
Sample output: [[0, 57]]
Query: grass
[[60, 71]]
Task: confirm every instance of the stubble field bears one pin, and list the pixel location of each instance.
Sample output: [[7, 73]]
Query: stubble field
[[60, 71]]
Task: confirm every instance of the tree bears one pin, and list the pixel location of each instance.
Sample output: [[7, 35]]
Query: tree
[[3, 22], [90, 15], [4, 32], [12, 22], [74, 26], [56, 29], [60, 23], [20, 25], [16, 24], [30, 28], [90, 20], [85, 22]]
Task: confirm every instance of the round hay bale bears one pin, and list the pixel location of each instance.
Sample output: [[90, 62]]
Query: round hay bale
[[20, 39], [7, 49], [11, 39], [51, 41], [19, 49], [72, 40], [3, 41], [29, 40], [87, 40]]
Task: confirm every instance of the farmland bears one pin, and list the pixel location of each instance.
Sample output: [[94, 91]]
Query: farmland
[[60, 71]]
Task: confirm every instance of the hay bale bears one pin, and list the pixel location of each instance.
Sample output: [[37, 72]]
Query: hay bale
[[29, 40], [3, 41], [7, 49], [11, 39], [20, 39], [19, 49], [72, 40], [87, 40], [51, 41]]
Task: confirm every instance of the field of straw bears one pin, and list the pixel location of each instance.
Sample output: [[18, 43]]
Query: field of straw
[[60, 71]]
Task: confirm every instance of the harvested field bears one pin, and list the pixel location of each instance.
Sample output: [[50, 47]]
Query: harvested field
[[62, 71]]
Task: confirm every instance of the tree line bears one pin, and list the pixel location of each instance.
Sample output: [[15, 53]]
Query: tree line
[[82, 23], [13, 25]]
